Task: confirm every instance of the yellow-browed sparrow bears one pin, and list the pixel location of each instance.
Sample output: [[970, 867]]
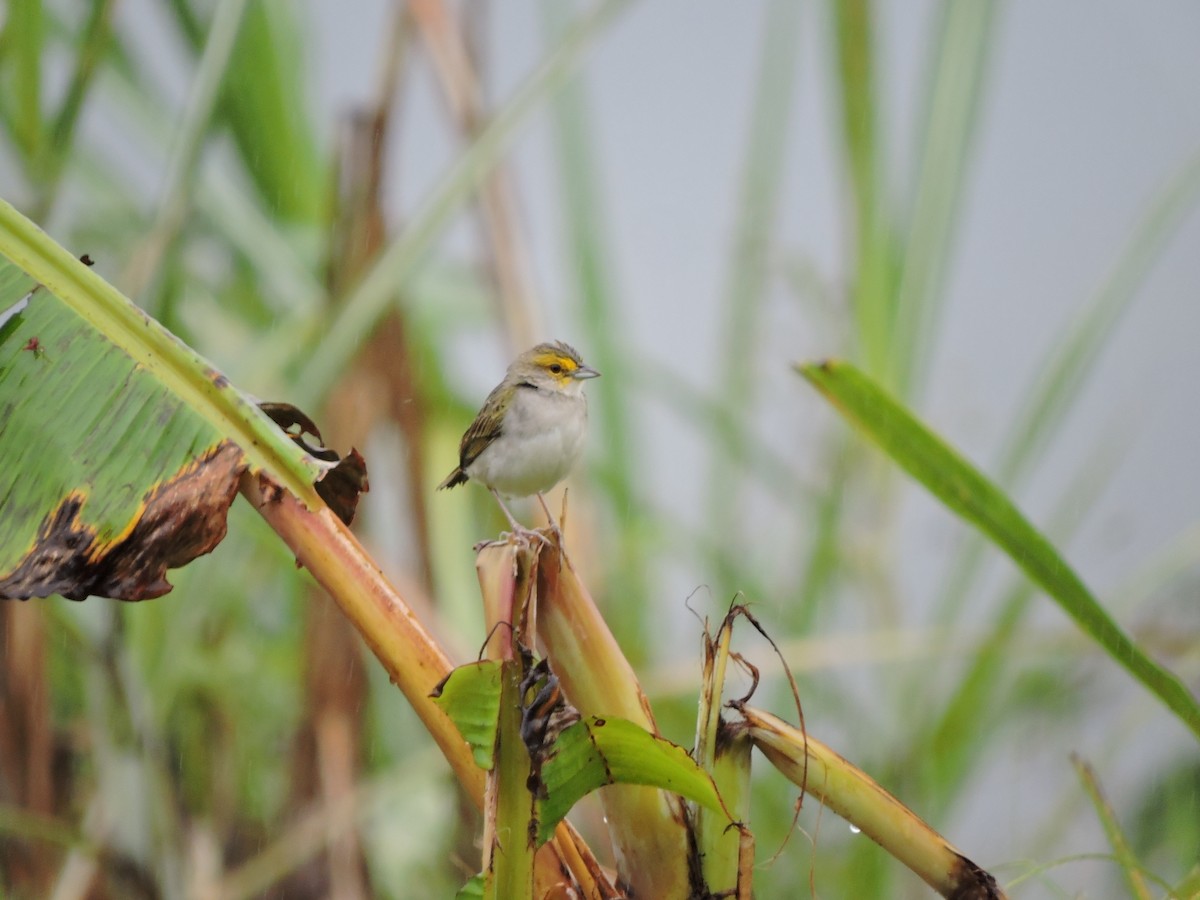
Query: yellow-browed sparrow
[[530, 430]]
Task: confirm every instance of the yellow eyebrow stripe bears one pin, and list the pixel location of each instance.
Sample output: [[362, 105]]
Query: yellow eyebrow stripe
[[545, 360]]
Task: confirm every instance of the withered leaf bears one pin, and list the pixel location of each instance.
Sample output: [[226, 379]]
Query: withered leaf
[[180, 519], [341, 484]]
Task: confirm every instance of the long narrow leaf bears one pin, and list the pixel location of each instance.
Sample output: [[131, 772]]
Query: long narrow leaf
[[875, 246], [1062, 375], [399, 262], [93, 39], [965, 491], [188, 143], [265, 100], [745, 290], [587, 228], [954, 110], [26, 36]]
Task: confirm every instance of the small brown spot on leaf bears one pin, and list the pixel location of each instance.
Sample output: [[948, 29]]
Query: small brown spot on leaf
[[34, 346], [180, 520]]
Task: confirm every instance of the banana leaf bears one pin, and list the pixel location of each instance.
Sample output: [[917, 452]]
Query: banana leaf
[[120, 448]]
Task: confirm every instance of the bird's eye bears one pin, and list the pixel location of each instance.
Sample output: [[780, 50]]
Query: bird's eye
[[555, 369]]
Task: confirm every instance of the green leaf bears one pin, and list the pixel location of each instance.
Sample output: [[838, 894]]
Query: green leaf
[[55, 494], [746, 291], [122, 447], [954, 105], [595, 752], [1062, 374], [470, 696], [875, 244], [265, 101], [25, 31], [473, 889], [1190, 886], [972, 496], [587, 228], [587, 755], [722, 848]]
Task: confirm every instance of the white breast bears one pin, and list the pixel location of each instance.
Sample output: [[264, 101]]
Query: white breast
[[542, 440]]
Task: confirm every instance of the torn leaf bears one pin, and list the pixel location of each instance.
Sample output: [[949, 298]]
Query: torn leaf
[[178, 520], [120, 448], [344, 479], [595, 751], [572, 761]]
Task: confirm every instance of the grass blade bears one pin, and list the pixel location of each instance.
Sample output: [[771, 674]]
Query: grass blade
[[1064, 373], [951, 737], [1112, 828], [25, 36], [965, 491], [193, 129], [874, 287], [953, 112], [400, 260], [93, 42], [265, 100], [746, 288], [587, 230]]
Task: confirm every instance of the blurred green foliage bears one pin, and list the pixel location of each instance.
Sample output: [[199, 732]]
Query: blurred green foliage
[[175, 723]]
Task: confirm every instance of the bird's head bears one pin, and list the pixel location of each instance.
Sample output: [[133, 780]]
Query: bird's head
[[554, 366]]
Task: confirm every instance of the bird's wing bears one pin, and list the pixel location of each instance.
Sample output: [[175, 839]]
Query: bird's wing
[[488, 426]]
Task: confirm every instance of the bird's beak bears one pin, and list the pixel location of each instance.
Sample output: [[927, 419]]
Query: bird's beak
[[585, 372]]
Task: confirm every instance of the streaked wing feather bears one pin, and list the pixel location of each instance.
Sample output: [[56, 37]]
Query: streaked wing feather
[[486, 427]]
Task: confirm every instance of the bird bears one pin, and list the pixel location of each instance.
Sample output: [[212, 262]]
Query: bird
[[530, 430]]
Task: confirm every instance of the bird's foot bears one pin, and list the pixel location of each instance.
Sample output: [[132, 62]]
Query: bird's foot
[[526, 537]]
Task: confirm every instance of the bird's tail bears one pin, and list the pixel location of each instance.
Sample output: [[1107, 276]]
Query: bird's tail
[[454, 479]]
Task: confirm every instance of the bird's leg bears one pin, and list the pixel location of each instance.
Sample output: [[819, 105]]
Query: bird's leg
[[516, 526], [518, 529]]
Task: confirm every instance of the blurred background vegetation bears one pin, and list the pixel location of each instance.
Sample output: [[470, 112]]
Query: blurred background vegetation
[[367, 209]]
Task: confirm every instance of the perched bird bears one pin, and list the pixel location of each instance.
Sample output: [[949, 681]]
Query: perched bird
[[530, 430]]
